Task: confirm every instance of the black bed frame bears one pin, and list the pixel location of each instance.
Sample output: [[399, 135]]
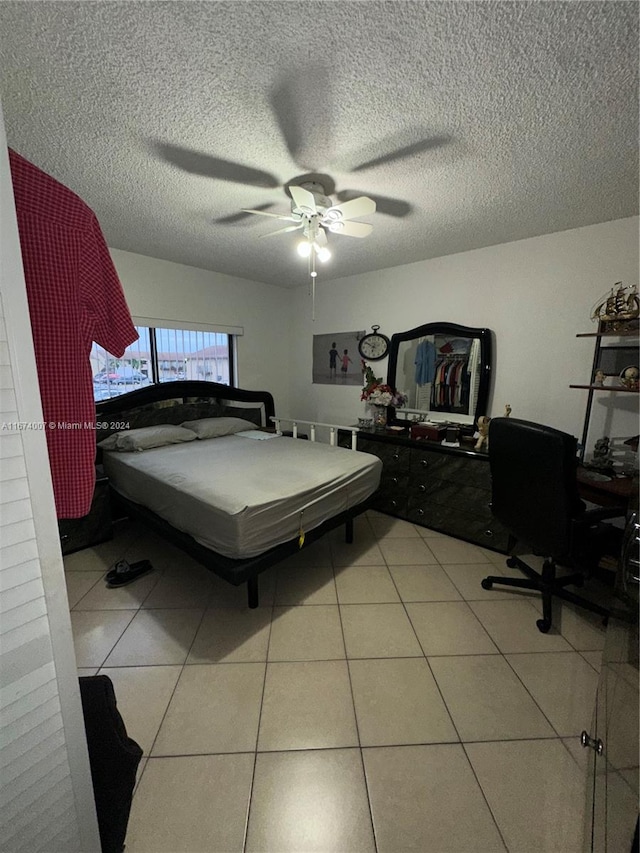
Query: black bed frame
[[208, 399]]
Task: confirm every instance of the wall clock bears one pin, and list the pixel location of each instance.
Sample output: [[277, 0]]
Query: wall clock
[[374, 346]]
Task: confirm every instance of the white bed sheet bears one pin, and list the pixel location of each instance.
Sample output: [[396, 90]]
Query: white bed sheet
[[241, 497]]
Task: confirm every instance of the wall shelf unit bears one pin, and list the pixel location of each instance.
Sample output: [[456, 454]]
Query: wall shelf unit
[[614, 352]]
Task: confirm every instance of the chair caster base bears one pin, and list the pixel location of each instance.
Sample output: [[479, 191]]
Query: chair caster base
[[543, 625], [485, 583], [512, 562]]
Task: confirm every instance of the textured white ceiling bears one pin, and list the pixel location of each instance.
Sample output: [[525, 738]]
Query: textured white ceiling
[[504, 120]]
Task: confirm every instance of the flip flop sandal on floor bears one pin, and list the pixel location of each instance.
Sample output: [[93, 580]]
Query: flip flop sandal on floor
[[124, 573]]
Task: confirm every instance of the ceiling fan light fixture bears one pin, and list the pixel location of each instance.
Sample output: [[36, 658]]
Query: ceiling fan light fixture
[[304, 248], [323, 254]]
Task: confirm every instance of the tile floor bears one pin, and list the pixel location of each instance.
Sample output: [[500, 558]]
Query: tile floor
[[378, 699]]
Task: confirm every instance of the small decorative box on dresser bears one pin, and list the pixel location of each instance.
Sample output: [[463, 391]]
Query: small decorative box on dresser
[[91, 529], [445, 488]]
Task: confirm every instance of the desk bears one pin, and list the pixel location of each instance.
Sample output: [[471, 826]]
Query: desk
[[618, 491]]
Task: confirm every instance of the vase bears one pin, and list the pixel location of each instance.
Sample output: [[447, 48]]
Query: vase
[[379, 417]]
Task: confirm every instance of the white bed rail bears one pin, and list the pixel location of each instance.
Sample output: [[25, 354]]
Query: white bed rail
[[333, 429]]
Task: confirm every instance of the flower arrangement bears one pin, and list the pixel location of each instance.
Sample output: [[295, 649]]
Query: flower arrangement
[[377, 393]]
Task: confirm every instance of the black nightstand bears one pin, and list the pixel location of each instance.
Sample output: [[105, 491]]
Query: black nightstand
[[91, 529]]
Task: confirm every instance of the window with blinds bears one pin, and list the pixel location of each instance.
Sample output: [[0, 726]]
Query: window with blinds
[[162, 355]]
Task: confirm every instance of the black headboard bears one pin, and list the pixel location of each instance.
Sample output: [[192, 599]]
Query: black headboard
[[174, 402]]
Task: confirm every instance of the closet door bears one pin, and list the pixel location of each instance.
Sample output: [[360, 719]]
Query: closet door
[[612, 795]]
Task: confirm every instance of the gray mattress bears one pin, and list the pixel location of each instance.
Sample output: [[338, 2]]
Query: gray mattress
[[239, 496]]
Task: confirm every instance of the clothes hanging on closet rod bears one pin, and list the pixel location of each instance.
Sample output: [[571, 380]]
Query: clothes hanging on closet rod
[[450, 388], [75, 298]]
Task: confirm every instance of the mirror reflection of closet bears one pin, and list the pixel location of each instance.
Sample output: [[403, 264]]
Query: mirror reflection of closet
[[444, 369]]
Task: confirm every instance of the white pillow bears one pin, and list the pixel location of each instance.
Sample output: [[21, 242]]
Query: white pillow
[[146, 437], [217, 427]]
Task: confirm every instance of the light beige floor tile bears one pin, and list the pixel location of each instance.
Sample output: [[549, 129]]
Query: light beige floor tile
[[79, 584], [96, 632], [594, 659], [423, 583], [313, 801], [495, 557], [535, 791], [428, 533], [512, 625], [387, 527], [449, 550], [362, 529], [232, 636], [407, 552], [143, 694], [129, 597], [305, 585], [365, 585], [583, 757], [363, 552], [190, 587], [148, 545], [99, 558], [307, 705], [487, 700], [306, 633], [141, 766], [226, 595], [378, 631], [426, 799], [214, 709], [583, 629], [468, 577], [564, 686], [318, 553], [397, 702], [449, 628], [156, 637], [192, 804]]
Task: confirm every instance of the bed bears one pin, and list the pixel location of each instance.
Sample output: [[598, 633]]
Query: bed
[[216, 479]]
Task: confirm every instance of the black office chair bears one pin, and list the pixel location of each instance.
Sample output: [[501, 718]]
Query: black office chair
[[535, 496]]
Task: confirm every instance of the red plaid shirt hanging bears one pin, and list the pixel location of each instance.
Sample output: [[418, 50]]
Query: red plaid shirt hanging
[[75, 298]]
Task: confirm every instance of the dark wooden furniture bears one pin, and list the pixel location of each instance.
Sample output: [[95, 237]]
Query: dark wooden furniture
[[444, 488], [93, 528], [175, 402]]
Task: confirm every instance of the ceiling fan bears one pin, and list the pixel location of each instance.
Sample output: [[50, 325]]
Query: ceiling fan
[[313, 213]]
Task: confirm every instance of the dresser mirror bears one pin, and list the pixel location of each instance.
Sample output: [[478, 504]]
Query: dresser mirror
[[444, 369]]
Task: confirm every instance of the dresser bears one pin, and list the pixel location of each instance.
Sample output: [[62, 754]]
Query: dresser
[[444, 488]]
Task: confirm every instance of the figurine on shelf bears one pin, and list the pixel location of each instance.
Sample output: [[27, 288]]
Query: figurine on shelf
[[507, 410], [629, 378], [601, 458], [483, 433], [598, 379]]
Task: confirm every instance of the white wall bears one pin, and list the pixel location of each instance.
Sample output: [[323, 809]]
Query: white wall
[[161, 289], [534, 294]]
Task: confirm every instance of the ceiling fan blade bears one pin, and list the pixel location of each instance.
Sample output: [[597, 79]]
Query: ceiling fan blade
[[283, 230], [303, 199], [273, 215], [197, 163], [389, 206], [355, 207], [405, 151], [351, 229]]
